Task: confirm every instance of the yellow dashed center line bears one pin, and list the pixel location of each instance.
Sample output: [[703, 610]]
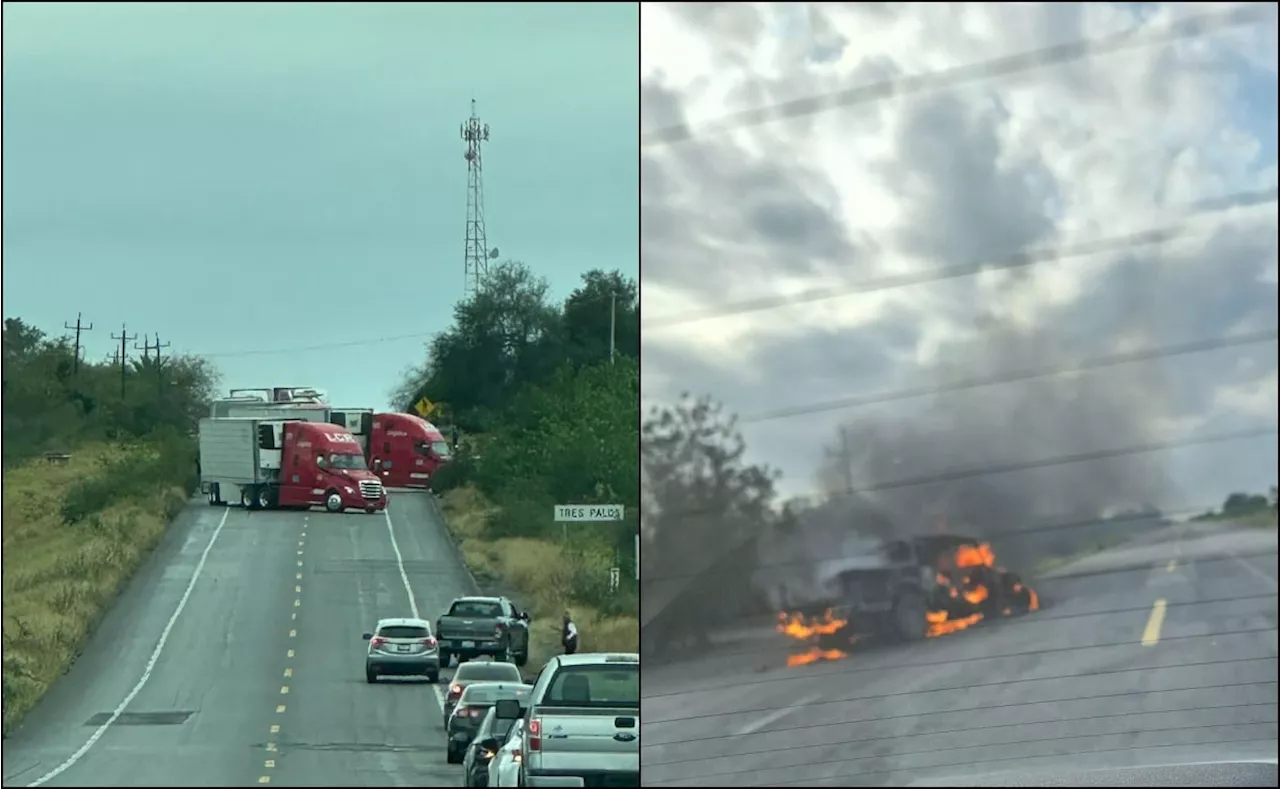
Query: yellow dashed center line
[[284, 689], [1151, 633], [297, 589], [275, 728], [1173, 565], [290, 653], [299, 561], [271, 747], [288, 672], [265, 779], [279, 708], [270, 764], [293, 634], [299, 576], [297, 603]]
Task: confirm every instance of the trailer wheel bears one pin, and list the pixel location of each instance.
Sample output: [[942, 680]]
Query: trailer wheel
[[333, 501], [266, 499], [909, 621], [247, 499]]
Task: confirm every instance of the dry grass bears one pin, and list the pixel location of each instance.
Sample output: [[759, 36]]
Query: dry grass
[[58, 579], [537, 571]]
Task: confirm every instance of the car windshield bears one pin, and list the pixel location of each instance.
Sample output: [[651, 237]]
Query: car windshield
[[441, 448], [403, 631], [477, 609], [595, 686], [347, 461], [491, 692], [488, 672]]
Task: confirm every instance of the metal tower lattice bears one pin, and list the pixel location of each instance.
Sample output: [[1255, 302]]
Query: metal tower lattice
[[474, 133]]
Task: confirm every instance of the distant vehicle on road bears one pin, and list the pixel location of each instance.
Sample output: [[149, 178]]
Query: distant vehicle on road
[[479, 671], [402, 647], [582, 722], [492, 626], [490, 736], [286, 464], [475, 702], [504, 768]]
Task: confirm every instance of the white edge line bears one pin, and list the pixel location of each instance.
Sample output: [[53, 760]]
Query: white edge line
[[151, 664], [776, 715], [404, 578]]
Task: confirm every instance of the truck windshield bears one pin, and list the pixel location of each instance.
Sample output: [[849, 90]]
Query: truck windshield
[[347, 461], [595, 686], [437, 448]]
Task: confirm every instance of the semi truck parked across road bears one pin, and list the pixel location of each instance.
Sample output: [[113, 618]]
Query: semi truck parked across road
[[278, 463]]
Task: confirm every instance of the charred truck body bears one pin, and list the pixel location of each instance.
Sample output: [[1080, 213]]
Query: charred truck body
[[906, 589]]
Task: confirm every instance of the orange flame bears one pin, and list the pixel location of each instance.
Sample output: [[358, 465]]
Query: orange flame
[[814, 655]]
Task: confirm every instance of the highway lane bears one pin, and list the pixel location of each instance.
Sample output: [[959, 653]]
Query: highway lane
[[259, 678], [1028, 693], [340, 730]]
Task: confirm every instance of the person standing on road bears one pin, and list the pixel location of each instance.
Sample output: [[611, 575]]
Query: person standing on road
[[569, 635]]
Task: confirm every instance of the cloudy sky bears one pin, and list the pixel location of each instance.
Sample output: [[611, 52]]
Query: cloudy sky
[[900, 188], [250, 180]]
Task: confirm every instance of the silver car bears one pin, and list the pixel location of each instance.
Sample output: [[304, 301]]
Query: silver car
[[402, 647]]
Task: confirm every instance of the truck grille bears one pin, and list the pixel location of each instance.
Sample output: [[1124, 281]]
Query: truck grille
[[371, 489]]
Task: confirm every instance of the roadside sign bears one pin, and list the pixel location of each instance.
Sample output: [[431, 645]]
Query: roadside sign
[[424, 407], [587, 513], [615, 575]]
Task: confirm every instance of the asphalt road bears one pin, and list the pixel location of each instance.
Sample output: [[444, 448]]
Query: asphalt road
[[1159, 652], [235, 658]]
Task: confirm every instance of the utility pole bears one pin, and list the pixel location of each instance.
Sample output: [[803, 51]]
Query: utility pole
[[613, 323], [145, 348], [477, 254], [845, 458], [75, 365], [159, 364], [124, 339]]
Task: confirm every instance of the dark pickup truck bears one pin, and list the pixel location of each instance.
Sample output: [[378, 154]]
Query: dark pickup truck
[[475, 626]]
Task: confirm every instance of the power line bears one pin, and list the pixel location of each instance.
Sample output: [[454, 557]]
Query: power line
[[756, 749], [993, 683], [1060, 460], [1016, 260], [1016, 376], [1080, 49]]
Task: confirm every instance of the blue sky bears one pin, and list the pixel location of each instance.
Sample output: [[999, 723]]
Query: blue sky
[[246, 179]]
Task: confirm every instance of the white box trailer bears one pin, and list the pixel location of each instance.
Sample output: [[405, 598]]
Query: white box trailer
[[357, 421], [231, 457]]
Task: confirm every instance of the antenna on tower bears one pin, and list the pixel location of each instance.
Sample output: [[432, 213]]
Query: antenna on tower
[[478, 254]]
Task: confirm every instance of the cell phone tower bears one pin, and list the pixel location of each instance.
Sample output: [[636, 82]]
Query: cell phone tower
[[478, 254]]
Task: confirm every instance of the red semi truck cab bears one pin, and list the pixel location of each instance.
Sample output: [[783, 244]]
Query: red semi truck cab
[[286, 464], [406, 450]]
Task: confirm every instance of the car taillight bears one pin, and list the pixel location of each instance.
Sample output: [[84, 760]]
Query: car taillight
[[535, 734], [429, 641], [377, 641], [455, 690]]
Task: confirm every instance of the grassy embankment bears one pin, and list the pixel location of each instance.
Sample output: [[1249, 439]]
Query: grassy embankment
[[1261, 519], [540, 578], [60, 577]]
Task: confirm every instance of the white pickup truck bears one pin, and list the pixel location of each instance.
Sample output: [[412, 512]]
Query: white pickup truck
[[582, 724]]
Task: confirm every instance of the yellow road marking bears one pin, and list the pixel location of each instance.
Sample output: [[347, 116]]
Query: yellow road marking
[[297, 603], [299, 562], [271, 747], [297, 589], [299, 551], [284, 689], [1173, 565], [275, 728], [290, 653], [271, 763], [293, 634], [1151, 633], [299, 576], [288, 672], [295, 616], [266, 779]]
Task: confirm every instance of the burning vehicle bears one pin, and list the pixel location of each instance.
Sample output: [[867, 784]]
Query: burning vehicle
[[906, 590]]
